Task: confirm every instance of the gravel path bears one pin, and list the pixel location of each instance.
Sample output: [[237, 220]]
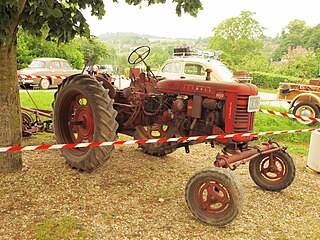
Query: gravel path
[[136, 196]]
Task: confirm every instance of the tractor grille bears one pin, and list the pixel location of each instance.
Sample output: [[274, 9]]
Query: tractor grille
[[243, 120]]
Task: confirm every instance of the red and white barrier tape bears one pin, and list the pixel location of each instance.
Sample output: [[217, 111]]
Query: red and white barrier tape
[[59, 77], [120, 78], [283, 114], [142, 141], [40, 76]]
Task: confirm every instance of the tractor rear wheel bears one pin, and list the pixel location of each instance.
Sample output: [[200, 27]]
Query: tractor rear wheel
[[214, 196], [83, 112], [155, 131], [273, 173]]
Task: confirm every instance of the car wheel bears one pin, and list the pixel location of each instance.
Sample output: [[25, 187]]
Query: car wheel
[[307, 109], [44, 84]]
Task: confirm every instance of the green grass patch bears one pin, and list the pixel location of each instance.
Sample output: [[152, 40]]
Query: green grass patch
[[66, 228], [37, 98], [268, 90], [298, 143]]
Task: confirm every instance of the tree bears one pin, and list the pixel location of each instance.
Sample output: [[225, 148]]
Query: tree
[[300, 66], [64, 21], [30, 46], [238, 37], [292, 35], [92, 49]]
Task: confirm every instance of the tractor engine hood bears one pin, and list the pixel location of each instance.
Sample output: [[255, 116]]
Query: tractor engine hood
[[205, 88]]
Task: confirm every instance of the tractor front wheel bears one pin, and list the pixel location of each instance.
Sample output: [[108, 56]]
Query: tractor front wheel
[[83, 112], [214, 196], [273, 172]]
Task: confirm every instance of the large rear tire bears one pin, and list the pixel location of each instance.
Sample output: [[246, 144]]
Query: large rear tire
[[214, 196], [83, 112], [155, 131]]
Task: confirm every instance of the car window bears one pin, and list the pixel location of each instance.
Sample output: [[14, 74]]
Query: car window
[[65, 65], [222, 72], [54, 64], [37, 64], [194, 69], [174, 67]]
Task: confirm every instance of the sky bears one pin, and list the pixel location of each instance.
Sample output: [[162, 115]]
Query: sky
[[161, 20]]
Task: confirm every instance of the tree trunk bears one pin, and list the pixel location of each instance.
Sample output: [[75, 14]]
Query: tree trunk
[[10, 114]]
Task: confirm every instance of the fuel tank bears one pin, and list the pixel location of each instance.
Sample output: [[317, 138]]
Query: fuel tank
[[205, 88]]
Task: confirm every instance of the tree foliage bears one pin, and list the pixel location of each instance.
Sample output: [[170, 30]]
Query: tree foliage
[[297, 33], [300, 66], [29, 47], [63, 20], [92, 49], [238, 38]]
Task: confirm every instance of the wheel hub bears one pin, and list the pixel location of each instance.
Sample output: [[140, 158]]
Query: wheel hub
[[306, 112], [81, 123]]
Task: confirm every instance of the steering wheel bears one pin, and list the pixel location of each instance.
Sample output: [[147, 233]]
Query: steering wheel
[[141, 52]]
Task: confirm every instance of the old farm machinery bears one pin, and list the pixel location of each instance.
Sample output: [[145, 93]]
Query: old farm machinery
[[91, 109]]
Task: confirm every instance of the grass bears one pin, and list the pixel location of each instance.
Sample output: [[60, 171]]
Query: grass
[[297, 142], [42, 99], [60, 229], [268, 90]]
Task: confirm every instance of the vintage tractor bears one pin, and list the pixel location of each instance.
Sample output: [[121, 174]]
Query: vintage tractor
[[91, 109]]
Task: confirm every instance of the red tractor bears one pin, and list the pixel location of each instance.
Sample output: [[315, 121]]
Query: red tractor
[[91, 109]]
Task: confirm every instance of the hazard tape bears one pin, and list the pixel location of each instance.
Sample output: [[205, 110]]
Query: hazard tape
[[39, 76], [283, 114], [143, 141], [23, 76], [120, 78]]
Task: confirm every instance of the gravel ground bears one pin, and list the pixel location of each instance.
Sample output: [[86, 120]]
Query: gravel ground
[[136, 196]]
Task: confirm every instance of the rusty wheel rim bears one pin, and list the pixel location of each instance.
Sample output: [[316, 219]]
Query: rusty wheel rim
[[273, 170], [154, 131], [212, 198], [79, 127]]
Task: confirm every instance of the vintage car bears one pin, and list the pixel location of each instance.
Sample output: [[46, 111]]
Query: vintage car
[[45, 72], [186, 64], [304, 99]]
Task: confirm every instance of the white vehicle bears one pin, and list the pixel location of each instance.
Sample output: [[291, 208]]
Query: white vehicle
[[187, 65], [106, 69]]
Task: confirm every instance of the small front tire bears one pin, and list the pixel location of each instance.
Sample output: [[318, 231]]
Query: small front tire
[[273, 172], [214, 196]]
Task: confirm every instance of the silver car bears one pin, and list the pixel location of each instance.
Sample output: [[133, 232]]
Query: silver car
[[45, 72]]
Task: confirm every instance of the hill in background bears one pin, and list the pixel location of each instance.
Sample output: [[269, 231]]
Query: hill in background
[[132, 40]]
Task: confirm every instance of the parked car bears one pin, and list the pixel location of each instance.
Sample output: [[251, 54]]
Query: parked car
[[42, 67], [106, 69], [304, 99], [190, 65]]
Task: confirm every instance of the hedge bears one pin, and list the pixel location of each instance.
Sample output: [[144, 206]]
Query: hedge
[[271, 80]]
